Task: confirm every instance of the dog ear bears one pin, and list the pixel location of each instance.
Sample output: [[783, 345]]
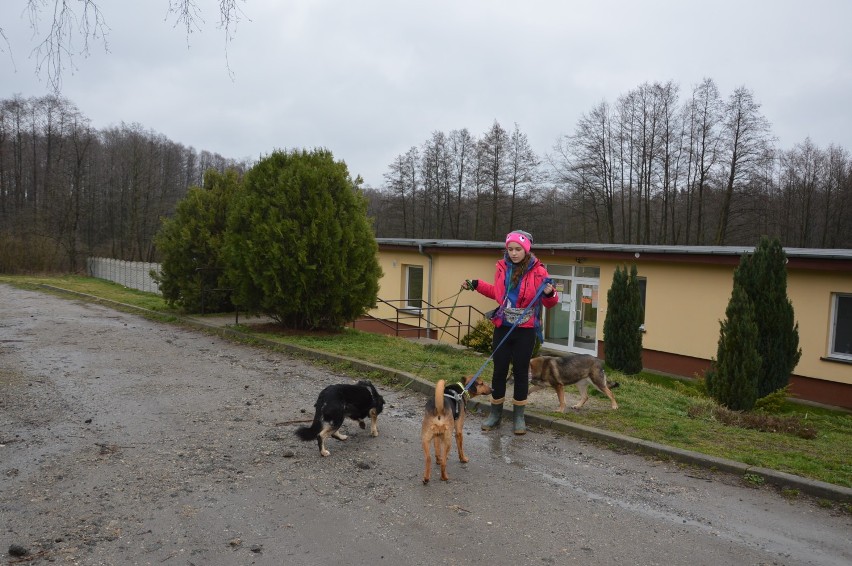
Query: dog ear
[[372, 388]]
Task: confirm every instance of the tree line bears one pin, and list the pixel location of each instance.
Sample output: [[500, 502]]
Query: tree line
[[655, 167], [68, 190]]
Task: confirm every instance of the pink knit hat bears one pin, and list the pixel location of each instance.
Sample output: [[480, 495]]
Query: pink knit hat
[[524, 239]]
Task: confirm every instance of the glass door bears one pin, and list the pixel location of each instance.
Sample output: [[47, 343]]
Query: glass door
[[571, 325], [557, 320], [585, 317]]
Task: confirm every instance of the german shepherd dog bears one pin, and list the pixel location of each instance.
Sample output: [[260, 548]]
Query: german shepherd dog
[[443, 418], [579, 369], [337, 402]]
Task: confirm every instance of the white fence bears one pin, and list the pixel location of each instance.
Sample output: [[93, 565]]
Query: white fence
[[132, 274]]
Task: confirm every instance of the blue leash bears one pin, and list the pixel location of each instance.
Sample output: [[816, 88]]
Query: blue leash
[[520, 318]]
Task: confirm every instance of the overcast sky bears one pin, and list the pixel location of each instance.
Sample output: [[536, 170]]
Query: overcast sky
[[368, 79]]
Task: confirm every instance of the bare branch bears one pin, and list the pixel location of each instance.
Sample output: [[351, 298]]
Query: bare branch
[[230, 15], [188, 14], [9, 47], [58, 44]]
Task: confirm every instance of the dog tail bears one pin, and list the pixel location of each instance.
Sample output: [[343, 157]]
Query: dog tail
[[310, 432], [439, 397], [610, 384]]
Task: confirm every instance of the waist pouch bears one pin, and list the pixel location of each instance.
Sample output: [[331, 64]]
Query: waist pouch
[[512, 315]]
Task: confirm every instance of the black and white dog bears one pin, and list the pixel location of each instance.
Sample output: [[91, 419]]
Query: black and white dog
[[337, 402]]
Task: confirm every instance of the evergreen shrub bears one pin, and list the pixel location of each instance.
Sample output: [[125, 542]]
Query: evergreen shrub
[[299, 246]]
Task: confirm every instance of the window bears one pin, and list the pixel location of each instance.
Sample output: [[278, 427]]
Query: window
[[841, 326], [643, 291], [414, 286], [592, 272]]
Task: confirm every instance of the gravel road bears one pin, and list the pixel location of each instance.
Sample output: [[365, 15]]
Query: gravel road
[[125, 441]]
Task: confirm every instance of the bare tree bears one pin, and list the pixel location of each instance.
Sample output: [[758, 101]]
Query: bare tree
[[628, 177], [668, 167], [703, 115], [492, 152], [12, 120], [82, 138], [814, 189], [402, 180], [838, 199], [803, 170], [461, 148], [435, 172], [522, 173], [653, 107], [746, 143], [586, 162]]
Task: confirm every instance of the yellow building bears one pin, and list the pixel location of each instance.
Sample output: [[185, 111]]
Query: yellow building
[[686, 290]]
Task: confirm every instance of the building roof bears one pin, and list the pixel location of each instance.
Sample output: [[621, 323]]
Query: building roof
[[814, 258]]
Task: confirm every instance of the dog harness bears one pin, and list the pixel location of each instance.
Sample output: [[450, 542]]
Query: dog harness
[[458, 400]]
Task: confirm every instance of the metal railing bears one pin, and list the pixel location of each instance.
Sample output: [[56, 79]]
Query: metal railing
[[207, 291], [408, 321]]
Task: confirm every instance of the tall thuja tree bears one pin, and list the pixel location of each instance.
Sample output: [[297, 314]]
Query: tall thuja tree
[[733, 379], [299, 246], [636, 316], [763, 276], [622, 327], [190, 245]]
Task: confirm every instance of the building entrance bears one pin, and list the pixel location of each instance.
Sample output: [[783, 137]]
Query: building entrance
[[572, 324]]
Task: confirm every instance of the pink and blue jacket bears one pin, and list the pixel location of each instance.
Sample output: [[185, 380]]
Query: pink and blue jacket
[[528, 287]]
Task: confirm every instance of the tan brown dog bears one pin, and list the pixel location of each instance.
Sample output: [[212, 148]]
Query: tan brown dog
[[444, 417], [579, 369]]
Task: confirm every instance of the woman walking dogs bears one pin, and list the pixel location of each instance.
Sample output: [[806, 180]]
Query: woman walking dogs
[[519, 277]]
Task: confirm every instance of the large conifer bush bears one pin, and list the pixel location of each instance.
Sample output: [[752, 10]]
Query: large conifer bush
[[190, 246], [622, 326], [733, 379], [763, 276], [299, 245]]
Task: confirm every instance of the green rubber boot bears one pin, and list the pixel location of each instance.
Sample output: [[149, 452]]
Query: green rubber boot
[[518, 424], [493, 420]]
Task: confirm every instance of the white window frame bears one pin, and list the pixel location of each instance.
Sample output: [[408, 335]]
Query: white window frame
[[833, 351], [413, 303]]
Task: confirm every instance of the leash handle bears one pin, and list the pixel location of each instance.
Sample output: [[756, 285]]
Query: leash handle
[[529, 306]]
